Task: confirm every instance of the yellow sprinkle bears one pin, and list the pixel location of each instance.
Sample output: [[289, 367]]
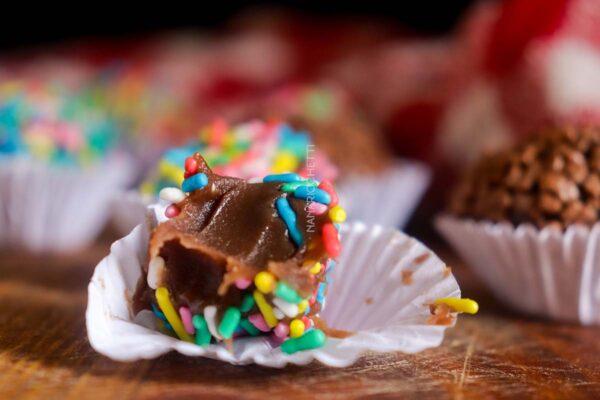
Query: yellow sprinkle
[[171, 172], [316, 268], [460, 305], [164, 302], [285, 162], [296, 328], [265, 282], [265, 309], [337, 214], [302, 306]]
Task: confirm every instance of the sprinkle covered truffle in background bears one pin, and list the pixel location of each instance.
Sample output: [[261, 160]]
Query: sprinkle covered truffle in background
[[247, 150], [54, 124], [551, 179], [238, 258]]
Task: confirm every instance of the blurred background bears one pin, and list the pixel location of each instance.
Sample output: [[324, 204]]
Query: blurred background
[[436, 83]]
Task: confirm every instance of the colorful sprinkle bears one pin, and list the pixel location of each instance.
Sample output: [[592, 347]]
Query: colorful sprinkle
[[247, 303], [156, 270], [186, 319], [310, 193], [331, 240], [242, 283], [302, 306], [248, 327], [315, 269], [210, 314], [172, 211], [259, 322], [317, 208], [265, 309], [337, 214], [287, 293], [229, 322], [203, 335], [191, 165], [282, 330], [171, 195], [292, 186], [285, 178], [289, 309], [164, 302], [265, 282], [289, 218], [296, 328], [328, 187], [312, 339], [460, 305], [194, 182]]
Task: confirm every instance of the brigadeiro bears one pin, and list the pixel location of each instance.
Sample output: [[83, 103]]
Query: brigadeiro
[[232, 267], [526, 219]]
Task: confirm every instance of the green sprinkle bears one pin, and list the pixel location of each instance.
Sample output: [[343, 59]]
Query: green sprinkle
[[248, 327], [312, 339], [230, 321], [285, 292], [202, 333], [247, 303], [291, 186]]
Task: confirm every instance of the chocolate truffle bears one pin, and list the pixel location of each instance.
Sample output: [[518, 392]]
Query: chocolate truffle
[[550, 179], [239, 258]]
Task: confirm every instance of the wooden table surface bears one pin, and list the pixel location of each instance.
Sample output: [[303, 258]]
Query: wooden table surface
[[44, 352]]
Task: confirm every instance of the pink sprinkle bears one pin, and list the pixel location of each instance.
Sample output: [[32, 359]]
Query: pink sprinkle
[[308, 323], [186, 318], [172, 211], [242, 283], [282, 330], [275, 341], [317, 208], [259, 322]]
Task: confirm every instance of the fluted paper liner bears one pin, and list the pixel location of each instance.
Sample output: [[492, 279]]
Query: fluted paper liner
[[545, 272], [387, 198], [56, 208], [367, 296]]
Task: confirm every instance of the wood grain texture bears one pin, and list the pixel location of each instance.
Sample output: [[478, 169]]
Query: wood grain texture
[[44, 353]]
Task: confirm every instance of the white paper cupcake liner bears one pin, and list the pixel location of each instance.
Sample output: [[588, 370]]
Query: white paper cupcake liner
[[386, 199], [52, 208], [369, 295], [544, 272]]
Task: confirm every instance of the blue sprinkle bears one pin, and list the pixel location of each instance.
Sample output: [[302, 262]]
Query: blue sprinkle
[[194, 182], [321, 292], [161, 316], [312, 193], [285, 178], [289, 218]]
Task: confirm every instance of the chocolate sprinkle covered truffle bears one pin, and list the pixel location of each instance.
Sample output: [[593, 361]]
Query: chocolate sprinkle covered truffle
[[239, 258], [551, 179]]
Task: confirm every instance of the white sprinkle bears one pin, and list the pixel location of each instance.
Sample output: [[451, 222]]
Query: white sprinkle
[[210, 315], [289, 309], [156, 271], [171, 195], [278, 313], [256, 179]]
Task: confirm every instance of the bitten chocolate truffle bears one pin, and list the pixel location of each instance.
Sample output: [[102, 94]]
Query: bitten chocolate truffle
[[550, 179], [239, 258]]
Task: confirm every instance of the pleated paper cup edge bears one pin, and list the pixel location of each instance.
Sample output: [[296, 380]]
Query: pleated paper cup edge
[[490, 232], [89, 219]]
